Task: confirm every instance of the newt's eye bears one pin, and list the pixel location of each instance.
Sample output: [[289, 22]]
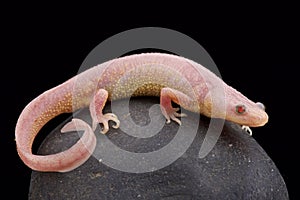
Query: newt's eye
[[240, 109], [261, 105]]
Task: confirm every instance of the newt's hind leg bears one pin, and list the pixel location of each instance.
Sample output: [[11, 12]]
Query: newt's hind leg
[[166, 96], [96, 106]]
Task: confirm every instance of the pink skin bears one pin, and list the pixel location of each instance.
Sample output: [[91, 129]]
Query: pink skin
[[66, 160], [171, 77], [96, 107]]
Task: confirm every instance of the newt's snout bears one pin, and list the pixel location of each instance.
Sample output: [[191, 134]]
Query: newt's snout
[[259, 120]]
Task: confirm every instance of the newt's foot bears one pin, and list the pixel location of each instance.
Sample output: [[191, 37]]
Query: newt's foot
[[167, 95], [247, 129], [103, 119], [96, 107], [171, 114]]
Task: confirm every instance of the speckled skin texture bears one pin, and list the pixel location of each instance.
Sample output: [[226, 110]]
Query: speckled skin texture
[[171, 77]]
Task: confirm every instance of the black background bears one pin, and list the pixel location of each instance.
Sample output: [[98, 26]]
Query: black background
[[256, 50]]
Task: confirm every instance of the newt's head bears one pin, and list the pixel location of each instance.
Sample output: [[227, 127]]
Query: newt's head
[[243, 111], [238, 108], [247, 114]]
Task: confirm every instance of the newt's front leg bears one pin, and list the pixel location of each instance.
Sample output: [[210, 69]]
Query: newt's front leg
[[96, 106], [166, 96]]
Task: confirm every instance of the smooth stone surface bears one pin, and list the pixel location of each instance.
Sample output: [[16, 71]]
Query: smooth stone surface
[[236, 168]]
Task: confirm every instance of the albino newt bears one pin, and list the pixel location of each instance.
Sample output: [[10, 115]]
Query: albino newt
[[171, 77]]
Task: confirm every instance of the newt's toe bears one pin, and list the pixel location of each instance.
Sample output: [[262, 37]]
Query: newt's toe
[[104, 119], [172, 114]]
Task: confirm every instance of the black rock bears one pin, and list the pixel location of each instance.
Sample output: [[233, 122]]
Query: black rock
[[236, 168]]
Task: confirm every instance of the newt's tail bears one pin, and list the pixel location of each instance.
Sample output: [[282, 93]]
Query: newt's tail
[[35, 115]]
